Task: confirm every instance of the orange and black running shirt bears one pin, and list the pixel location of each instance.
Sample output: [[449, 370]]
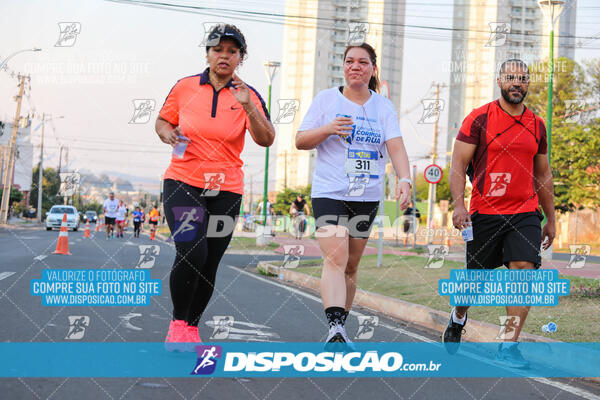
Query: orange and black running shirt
[[216, 124], [503, 180]]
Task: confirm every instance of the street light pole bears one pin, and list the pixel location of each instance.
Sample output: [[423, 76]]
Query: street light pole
[[552, 10], [7, 178], [15, 53], [41, 171], [270, 69], [8, 172]]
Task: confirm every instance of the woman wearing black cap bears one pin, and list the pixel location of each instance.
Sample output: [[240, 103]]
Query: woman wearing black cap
[[205, 118]]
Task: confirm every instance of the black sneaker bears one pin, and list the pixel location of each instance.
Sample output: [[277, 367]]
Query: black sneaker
[[511, 357], [452, 335]]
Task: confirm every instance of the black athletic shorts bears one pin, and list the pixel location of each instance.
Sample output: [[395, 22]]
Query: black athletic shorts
[[109, 220], [153, 222], [357, 216], [499, 239]]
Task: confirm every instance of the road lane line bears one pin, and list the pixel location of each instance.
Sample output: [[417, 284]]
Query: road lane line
[[562, 386], [6, 274]]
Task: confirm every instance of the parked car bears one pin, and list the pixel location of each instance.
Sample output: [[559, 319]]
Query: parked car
[[90, 216], [55, 215]]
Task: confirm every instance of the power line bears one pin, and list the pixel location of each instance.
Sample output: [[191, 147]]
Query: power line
[[258, 14]]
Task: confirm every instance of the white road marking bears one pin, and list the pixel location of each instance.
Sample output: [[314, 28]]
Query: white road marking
[[40, 257], [562, 386], [126, 318], [6, 274]]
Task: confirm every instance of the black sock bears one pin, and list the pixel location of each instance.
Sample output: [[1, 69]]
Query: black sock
[[335, 315]]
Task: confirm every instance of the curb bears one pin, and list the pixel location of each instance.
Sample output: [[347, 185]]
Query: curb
[[419, 315]]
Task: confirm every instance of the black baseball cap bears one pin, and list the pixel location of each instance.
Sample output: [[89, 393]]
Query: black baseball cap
[[221, 31]]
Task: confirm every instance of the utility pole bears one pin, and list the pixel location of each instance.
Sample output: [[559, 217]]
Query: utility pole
[[251, 193], [67, 170], [414, 197], [285, 169], [432, 186], [8, 172], [40, 173]]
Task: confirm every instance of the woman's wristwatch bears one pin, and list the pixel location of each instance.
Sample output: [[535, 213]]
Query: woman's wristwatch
[[407, 180]]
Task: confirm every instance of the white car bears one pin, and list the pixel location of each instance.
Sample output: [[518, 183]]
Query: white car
[[55, 215]]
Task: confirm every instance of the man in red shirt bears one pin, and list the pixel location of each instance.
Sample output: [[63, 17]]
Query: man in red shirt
[[502, 146]]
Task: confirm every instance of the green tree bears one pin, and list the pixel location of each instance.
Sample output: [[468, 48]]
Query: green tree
[[285, 198], [15, 195], [576, 166], [50, 188], [569, 84], [442, 189]]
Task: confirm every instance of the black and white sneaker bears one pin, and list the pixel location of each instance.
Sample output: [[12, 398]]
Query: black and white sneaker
[[337, 339], [452, 335]]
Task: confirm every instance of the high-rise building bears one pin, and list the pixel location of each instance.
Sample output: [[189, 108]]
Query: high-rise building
[[488, 32], [316, 34]]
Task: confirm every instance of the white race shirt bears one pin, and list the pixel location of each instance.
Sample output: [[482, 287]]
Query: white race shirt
[[121, 211], [260, 206], [351, 168], [111, 207]]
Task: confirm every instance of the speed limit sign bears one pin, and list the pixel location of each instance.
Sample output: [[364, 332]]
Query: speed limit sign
[[433, 173]]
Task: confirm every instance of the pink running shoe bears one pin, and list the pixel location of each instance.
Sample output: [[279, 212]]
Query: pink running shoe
[[177, 336], [192, 334]]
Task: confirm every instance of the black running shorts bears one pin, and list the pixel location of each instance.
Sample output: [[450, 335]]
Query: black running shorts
[[499, 239], [357, 216]]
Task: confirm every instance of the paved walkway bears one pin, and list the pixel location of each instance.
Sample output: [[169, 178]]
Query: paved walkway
[[311, 249]]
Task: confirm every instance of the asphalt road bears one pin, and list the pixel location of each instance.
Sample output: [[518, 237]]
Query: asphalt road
[[261, 309]]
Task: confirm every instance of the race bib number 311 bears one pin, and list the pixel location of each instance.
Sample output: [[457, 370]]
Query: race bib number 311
[[362, 162]]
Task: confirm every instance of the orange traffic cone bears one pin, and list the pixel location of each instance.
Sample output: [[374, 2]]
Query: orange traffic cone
[[62, 246], [448, 241], [86, 233], [97, 227]]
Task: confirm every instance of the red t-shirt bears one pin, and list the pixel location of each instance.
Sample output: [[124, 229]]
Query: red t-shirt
[[216, 123], [503, 181]]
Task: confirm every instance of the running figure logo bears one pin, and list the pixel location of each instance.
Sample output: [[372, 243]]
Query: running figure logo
[[287, 111], [293, 253], [437, 254], [207, 359], [366, 326], [431, 111], [68, 34], [77, 326], [212, 183], [187, 220], [222, 325], [508, 326], [498, 35], [215, 38], [142, 110], [148, 254], [357, 33], [579, 253], [499, 183], [357, 185], [575, 111]]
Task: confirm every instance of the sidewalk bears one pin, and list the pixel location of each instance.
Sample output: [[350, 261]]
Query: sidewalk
[[311, 249]]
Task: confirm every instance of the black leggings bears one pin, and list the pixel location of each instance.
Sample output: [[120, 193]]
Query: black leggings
[[189, 214]]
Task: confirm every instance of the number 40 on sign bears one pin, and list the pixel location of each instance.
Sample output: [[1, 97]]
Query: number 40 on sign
[[433, 173]]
